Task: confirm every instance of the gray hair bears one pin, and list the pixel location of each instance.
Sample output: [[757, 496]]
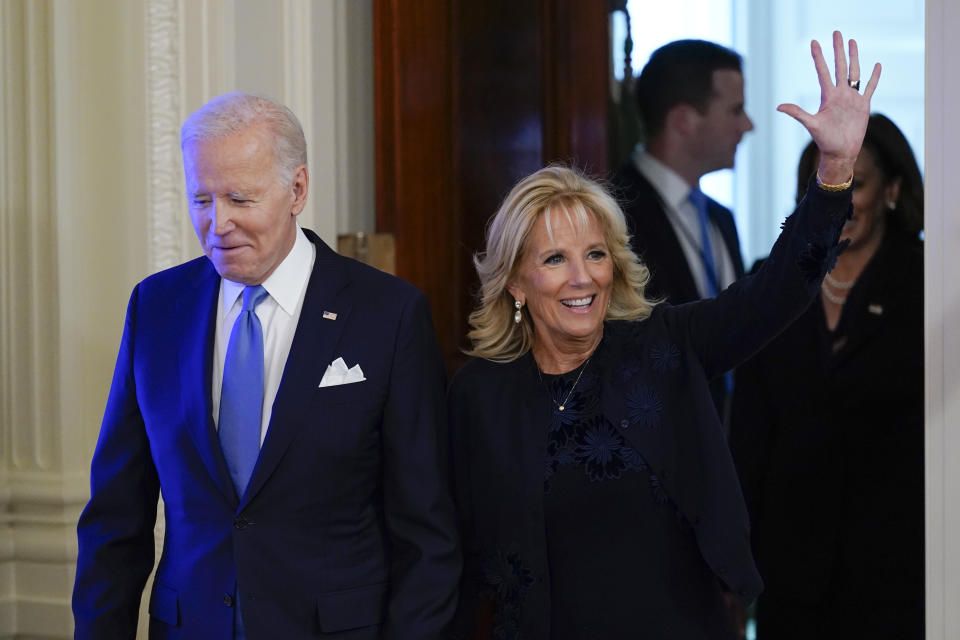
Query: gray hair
[[232, 113]]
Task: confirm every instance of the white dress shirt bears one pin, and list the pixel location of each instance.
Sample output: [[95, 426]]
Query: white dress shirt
[[675, 194], [279, 313]]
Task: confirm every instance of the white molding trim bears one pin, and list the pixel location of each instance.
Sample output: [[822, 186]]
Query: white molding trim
[[38, 515], [299, 89], [164, 99], [41, 510], [8, 69], [297, 67], [27, 226]]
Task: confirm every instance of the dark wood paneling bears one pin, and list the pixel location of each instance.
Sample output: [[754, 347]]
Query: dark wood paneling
[[499, 133], [576, 75], [415, 199], [470, 97]]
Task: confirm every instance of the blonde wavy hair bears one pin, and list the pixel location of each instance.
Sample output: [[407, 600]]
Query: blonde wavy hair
[[493, 333]]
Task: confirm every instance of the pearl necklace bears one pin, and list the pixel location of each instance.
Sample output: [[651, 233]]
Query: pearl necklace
[[829, 295], [843, 285]]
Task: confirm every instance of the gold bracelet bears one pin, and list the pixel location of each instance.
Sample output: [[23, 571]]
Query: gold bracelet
[[834, 187]]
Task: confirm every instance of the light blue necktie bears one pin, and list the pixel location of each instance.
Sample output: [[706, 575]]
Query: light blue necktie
[[241, 396], [706, 247], [241, 406]]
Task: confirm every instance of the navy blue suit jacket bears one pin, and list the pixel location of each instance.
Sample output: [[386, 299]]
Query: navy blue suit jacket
[[346, 529]]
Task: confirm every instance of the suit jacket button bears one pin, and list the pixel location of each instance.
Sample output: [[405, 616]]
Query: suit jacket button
[[228, 599], [240, 522], [624, 424]]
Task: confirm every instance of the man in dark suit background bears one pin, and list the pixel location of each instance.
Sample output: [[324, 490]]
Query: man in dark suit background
[[288, 403], [690, 99]]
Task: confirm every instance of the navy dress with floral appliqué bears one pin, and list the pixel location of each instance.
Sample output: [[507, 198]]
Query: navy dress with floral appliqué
[[623, 562]]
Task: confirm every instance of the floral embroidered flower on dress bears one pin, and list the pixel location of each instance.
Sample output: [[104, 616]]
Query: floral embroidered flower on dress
[[582, 436], [644, 406], [822, 249], [816, 260], [598, 449], [507, 580], [665, 357]]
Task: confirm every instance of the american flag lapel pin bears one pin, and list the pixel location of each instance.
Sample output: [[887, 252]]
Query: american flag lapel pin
[[329, 315]]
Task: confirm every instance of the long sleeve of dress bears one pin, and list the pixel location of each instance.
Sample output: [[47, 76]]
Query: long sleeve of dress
[[726, 330]]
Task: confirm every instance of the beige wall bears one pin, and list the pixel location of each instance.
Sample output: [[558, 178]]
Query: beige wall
[[93, 93]]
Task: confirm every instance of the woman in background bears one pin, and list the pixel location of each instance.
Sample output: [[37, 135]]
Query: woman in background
[[827, 424]]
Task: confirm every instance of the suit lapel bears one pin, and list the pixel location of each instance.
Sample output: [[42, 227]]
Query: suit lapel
[[197, 310], [310, 353], [666, 254]]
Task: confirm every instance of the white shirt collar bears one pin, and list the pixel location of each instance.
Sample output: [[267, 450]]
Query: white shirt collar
[[672, 188], [286, 282]]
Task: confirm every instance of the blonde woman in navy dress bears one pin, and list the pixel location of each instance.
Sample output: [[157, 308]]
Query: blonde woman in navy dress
[[596, 494]]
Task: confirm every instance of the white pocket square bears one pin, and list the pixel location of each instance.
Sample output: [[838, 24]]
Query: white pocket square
[[338, 373]]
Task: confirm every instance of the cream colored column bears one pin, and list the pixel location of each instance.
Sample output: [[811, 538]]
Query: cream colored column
[[72, 230], [31, 502]]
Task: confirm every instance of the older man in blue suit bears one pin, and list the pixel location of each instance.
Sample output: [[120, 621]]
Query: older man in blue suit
[[288, 404]]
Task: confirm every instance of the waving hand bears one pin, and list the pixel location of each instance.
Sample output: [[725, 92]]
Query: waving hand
[[840, 123]]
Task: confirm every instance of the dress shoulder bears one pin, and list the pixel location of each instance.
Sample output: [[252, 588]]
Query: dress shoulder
[[476, 374]]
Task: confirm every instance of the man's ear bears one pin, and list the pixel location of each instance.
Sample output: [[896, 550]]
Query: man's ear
[[683, 118], [300, 185]]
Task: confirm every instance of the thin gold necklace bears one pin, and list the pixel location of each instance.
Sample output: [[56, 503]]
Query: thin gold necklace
[[562, 405]]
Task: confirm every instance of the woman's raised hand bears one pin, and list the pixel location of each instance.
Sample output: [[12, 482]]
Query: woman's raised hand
[[840, 123]]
